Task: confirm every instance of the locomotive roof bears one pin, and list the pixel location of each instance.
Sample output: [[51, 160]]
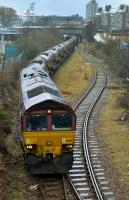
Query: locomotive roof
[[37, 88], [28, 103], [33, 69], [34, 74]]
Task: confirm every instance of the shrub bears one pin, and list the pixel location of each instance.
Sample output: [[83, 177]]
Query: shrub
[[33, 43], [123, 101], [6, 121]]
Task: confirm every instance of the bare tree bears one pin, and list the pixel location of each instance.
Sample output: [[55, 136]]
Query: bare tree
[[100, 9], [32, 43], [108, 8], [123, 9], [89, 31], [7, 16], [122, 6]]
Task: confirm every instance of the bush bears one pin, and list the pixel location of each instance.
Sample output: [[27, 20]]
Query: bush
[[123, 101], [115, 57], [6, 121], [33, 43]]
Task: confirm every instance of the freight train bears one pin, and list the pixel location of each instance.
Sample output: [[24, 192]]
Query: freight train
[[48, 123]]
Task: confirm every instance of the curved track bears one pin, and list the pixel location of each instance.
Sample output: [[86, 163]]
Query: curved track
[[87, 175]]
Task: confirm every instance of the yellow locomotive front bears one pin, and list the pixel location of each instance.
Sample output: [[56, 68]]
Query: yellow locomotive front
[[48, 136]]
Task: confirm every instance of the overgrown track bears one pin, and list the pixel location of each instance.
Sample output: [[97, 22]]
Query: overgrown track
[[87, 175], [53, 187]]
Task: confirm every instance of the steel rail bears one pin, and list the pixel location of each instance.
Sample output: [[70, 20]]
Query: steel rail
[[73, 187], [85, 145], [65, 190], [87, 92], [75, 107], [87, 161]]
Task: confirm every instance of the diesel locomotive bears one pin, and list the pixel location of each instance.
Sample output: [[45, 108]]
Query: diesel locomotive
[[48, 123]]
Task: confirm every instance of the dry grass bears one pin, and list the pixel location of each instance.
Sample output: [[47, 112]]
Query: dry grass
[[12, 147], [121, 38], [115, 134], [73, 78]]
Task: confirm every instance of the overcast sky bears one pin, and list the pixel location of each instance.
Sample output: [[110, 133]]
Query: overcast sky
[[57, 7]]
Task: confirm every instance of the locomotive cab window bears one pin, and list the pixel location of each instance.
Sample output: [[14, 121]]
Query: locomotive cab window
[[62, 122], [36, 123]]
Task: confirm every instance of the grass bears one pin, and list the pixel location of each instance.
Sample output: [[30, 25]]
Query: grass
[[121, 38], [115, 133], [74, 77], [12, 147], [18, 189]]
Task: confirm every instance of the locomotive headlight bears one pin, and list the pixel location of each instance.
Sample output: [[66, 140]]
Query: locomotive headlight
[[49, 111], [31, 146], [67, 146]]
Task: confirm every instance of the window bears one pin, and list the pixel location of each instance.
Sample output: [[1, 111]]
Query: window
[[39, 90], [34, 92], [51, 91], [46, 54], [36, 123], [42, 74], [62, 122]]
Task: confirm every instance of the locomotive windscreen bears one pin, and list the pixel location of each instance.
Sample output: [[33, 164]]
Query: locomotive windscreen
[[62, 122], [36, 123]]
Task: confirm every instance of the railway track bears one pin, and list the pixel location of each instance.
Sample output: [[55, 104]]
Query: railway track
[[53, 187], [87, 176]]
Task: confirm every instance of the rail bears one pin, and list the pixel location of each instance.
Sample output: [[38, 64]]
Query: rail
[[86, 149], [83, 168]]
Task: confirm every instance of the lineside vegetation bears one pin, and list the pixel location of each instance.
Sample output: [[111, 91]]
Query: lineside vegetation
[[75, 75], [10, 153]]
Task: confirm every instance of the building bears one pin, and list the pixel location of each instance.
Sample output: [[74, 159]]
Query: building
[[53, 20], [127, 20], [107, 19], [69, 20], [91, 10], [113, 19], [116, 21]]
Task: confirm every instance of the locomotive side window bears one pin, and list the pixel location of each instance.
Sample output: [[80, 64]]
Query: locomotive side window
[[62, 122], [36, 91], [36, 123], [39, 90], [51, 91]]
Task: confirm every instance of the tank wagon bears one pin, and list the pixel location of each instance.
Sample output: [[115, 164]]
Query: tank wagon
[[48, 123]]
